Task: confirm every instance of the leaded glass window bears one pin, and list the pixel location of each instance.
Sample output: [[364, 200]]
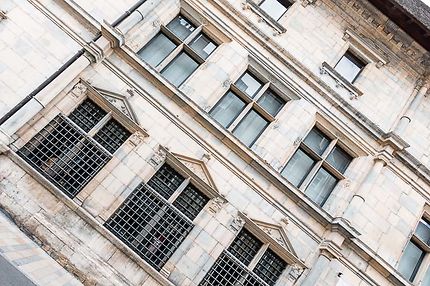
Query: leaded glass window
[[246, 262], [155, 219], [64, 152]]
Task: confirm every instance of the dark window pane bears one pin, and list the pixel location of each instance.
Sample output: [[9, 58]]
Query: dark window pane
[[317, 141], [321, 186], [298, 168], [227, 271], [227, 109], [271, 102], [180, 69], [275, 8], [149, 226], [181, 27], [270, 267], [157, 50], [87, 115], [339, 159], [245, 246], [112, 135], [190, 201], [411, 261], [423, 231], [248, 84], [251, 126], [203, 46], [349, 66], [166, 181], [64, 155]]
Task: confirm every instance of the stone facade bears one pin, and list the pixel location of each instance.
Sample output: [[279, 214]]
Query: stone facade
[[356, 238]]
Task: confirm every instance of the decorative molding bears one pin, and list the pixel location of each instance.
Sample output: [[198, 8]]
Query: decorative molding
[[158, 158], [131, 92], [275, 236], [136, 138], [237, 223], [197, 167], [340, 81], [297, 141], [277, 232], [365, 49], [216, 204], [227, 83], [308, 2], [3, 15], [79, 89], [120, 102], [330, 250], [295, 272], [156, 23], [346, 183]]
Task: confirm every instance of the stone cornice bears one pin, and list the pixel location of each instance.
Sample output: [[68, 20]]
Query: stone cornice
[[393, 35]]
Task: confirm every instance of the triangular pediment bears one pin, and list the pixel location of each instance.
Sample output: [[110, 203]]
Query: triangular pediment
[[120, 102], [276, 232], [198, 167]]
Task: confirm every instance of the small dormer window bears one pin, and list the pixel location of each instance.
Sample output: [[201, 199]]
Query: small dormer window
[[349, 66], [275, 8]]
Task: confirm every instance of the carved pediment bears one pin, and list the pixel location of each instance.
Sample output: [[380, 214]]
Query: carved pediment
[[276, 232], [198, 167], [120, 102]]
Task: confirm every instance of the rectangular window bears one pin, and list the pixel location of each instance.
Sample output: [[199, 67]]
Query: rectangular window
[[275, 8], [349, 66], [415, 254], [153, 221], [66, 155], [247, 261], [317, 166], [247, 108], [178, 50]]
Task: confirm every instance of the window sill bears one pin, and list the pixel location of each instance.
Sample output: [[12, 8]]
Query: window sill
[[277, 28], [340, 81], [84, 215]]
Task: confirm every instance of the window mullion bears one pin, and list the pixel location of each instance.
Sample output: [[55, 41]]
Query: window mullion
[[263, 112], [329, 148], [100, 124], [179, 190], [169, 34], [257, 257], [170, 57], [311, 175], [240, 117], [424, 267], [262, 91], [193, 34], [193, 54]]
